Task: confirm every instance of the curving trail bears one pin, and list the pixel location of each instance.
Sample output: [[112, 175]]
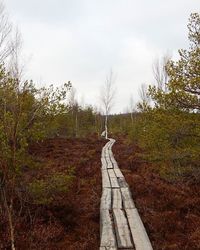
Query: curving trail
[[120, 223]]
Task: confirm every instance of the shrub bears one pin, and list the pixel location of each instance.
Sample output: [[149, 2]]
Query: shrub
[[46, 191]]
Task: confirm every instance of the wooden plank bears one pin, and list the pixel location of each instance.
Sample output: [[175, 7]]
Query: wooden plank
[[103, 160], [105, 179], [114, 183], [118, 173], [122, 182], [116, 195], [115, 165], [110, 145], [127, 198], [113, 159], [117, 199], [111, 173], [112, 140], [104, 167], [140, 237], [122, 229], [106, 229], [114, 162], [107, 157], [109, 165], [106, 199], [107, 248], [103, 163]]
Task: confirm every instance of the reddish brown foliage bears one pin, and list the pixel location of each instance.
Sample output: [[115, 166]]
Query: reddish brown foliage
[[170, 211], [72, 222]]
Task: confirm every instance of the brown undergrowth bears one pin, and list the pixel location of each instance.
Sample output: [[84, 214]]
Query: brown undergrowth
[[169, 210], [72, 220]]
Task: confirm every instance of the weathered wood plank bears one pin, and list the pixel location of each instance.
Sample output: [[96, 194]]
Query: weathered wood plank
[[114, 183], [103, 163], [106, 230], [107, 248], [114, 162], [103, 160], [109, 165], [127, 198], [118, 173], [115, 165], [104, 167], [122, 182], [122, 229], [140, 237], [106, 199], [111, 173], [117, 199], [112, 158], [105, 179]]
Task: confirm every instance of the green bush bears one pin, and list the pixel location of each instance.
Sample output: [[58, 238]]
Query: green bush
[[45, 191]]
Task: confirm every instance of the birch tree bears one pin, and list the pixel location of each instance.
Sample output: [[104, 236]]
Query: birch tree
[[160, 72], [132, 108], [144, 97], [74, 108], [6, 35], [108, 92]]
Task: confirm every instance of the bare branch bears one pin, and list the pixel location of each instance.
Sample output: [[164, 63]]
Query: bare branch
[[160, 73], [107, 97], [5, 34]]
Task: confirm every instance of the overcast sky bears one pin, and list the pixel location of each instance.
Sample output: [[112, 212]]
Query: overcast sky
[[81, 40]]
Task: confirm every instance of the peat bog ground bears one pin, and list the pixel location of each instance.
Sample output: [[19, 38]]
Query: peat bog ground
[[79, 212], [72, 222], [170, 211]]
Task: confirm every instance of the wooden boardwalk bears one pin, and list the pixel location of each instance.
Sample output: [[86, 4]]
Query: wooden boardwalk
[[120, 223]]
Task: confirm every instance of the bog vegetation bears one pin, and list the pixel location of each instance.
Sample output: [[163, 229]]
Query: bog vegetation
[[165, 125]]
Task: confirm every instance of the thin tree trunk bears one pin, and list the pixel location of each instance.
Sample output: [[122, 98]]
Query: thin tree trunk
[[132, 118], [76, 125], [106, 126], [9, 209]]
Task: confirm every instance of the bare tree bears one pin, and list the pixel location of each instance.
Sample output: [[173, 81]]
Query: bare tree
[[72, 97], [74, 108], [132, 108], [144, 97], [9, 48], [15, 65], [108, 92], [5, 34], [160, 72]]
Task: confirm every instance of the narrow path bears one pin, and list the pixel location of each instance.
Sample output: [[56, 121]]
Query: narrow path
[[120, 223]]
